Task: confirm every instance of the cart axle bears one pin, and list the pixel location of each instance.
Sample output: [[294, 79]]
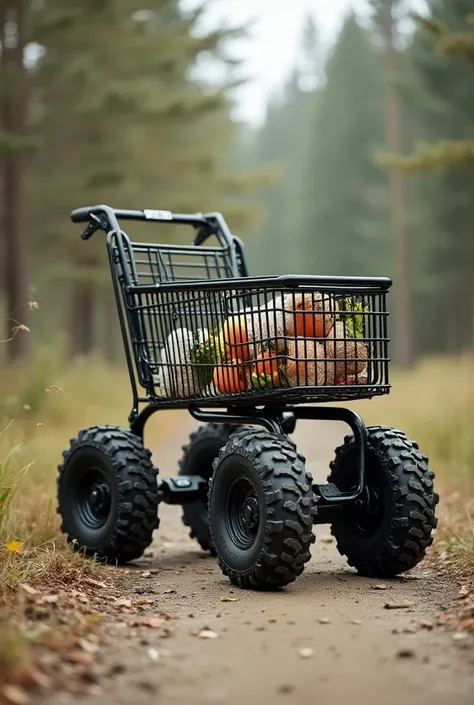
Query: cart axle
[[182, 489]]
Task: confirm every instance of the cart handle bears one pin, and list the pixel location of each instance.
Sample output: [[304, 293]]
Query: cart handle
[[105, 218], [83, 215]]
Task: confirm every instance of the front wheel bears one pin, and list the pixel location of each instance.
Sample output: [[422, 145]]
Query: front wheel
[[388, 531], [261, 508], [107, 494]]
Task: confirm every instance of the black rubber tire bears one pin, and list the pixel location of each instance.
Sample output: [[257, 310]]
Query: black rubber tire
[[282, 490], [407, 502], [119, 457], [198, 456], [394, 433]]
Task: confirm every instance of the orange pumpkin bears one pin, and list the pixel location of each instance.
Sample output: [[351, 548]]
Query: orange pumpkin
[[235, 338], [267, 366], [312, 314], [309, 324], [231, 378]]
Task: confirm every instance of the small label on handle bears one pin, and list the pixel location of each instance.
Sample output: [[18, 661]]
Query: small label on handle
[[158, 215]]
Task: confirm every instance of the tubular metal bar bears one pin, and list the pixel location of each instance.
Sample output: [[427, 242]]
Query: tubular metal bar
[[246, 417], [326, 283], [359, 429], [138, 419], [102, 217], [82, 215], [123, 331]]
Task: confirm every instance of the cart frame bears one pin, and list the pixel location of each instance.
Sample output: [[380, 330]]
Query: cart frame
[[272, 414]]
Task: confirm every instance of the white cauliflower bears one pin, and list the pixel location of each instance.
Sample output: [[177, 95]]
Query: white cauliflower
[[177, 378]]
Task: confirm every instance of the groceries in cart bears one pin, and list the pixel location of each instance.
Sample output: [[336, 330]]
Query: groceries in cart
[[292, 339]]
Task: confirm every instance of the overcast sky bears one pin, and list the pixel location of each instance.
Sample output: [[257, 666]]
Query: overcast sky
[[271, 50]]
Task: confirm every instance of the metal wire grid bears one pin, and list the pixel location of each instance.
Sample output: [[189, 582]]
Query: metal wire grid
[[155, 264], [189, 354]]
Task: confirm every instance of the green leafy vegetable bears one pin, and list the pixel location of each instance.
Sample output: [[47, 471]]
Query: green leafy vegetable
[[353, 321]]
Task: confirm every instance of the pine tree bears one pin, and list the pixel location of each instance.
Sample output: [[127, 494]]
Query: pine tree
[[342, 196], [446, 154], [278, 245], [444, 110], [14, 143], [127, 125], [385, 20]]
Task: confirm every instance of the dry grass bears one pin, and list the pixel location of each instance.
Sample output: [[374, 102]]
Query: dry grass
[[434, 404], [31, 445]]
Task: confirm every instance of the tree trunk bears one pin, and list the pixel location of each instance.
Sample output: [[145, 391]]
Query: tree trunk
[[404, 349], [13, 123], [82, 319]]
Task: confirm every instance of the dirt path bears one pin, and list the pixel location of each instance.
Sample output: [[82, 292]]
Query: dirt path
[[326, 639]]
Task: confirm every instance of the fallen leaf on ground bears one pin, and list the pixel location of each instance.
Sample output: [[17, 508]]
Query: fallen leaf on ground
[[224, 598], [398, 605], [459, 636], [207, 634], [411, 629], [285, 688], [380, 586], [124, 603], [94, 618], [80, 657], [15, 695], [305, 653], [48, 600], [36, 677], [88, 646], [324, 620], [95, 583], [153, 623], [168, 631]]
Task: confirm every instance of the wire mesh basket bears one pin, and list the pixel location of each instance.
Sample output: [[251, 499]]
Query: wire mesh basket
[[199, 334]]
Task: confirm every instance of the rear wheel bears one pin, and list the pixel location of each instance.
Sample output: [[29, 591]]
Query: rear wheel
[[389, 530], [107, 494], [198, 455]]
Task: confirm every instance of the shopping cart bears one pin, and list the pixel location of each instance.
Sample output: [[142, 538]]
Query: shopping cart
[[248, 357]]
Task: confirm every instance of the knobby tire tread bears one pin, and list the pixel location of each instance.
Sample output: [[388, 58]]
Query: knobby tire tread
[[290, 508], [413, 519], [137, 487]]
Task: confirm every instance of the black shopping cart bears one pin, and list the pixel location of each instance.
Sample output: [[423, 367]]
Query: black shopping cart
[[248, 357]]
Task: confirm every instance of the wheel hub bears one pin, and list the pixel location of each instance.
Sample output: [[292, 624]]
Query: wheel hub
[[99, 498], [250, 514], [368, 510]]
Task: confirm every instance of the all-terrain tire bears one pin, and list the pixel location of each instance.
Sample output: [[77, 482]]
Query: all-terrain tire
[[261, 472], [197, 459], [110, 463], [401, 485]]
